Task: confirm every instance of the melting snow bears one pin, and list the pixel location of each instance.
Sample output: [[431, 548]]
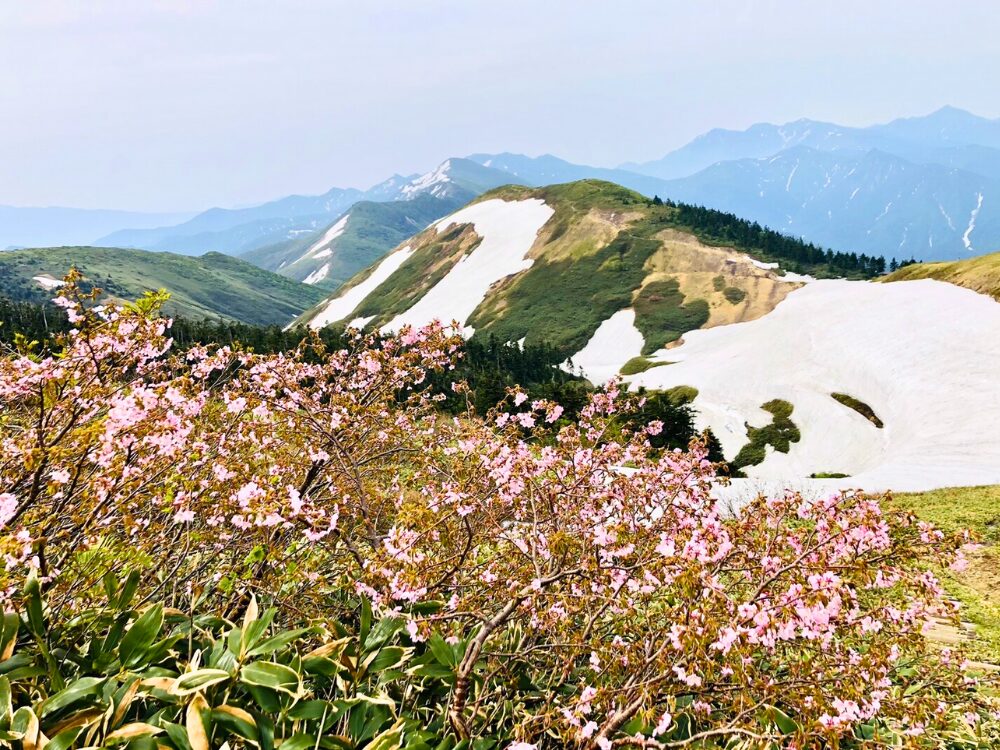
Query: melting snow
[[922, 354], [791, 174], [323, 254], [341, 306], [361, 322], [328, 236], [318, 275], [951, 224], [428, 181], [508, 229], [614, 343], [972, 222], [47, 282]]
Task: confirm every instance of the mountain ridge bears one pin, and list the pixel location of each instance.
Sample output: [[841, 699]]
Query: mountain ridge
[[213, 285]]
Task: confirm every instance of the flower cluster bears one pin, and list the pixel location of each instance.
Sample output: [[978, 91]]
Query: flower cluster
[[575, 560]]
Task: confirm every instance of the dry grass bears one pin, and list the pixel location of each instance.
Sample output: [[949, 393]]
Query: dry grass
[[980, 274]]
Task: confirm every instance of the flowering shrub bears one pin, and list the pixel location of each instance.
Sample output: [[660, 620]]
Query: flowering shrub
[[576, 587]]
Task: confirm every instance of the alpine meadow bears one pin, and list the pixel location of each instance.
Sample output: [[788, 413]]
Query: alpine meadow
[[689, 440]]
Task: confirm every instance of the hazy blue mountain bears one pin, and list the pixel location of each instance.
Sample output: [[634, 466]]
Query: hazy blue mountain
[[856, 200], [938, 138], [207, 231], [48, 226], [461, 179], [368, 230], [551, 170], [240, 231]]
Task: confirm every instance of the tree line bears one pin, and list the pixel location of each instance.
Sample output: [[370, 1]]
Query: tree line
[[719, 227]]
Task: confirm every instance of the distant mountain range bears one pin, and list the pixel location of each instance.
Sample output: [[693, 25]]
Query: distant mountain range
[[922, 187], [54, 225], [822, 383]]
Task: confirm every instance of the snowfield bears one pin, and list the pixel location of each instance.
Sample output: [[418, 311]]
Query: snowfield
[[340, 307], [318, 275], [508, 230], [925, 355], [47, 282], [614, 343], [328, 236]]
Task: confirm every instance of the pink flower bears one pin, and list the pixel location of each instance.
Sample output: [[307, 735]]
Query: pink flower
[[8, 507], [60, 476]]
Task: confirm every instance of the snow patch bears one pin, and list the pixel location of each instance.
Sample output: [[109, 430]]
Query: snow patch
[[431, 181], [922, 354], [361, 322], [951, 224], [614, 343], [328, 236], [47, 282], [972, 222], [323, 254], [341, 306], [791, 174], [508, 229], [318, 275]]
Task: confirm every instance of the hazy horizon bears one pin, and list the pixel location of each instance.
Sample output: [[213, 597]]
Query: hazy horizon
[[182, 105]]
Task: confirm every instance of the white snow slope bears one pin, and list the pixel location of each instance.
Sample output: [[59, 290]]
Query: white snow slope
[[508, 230], [614, 343], [340, 307], [329, 236], [925, 355]]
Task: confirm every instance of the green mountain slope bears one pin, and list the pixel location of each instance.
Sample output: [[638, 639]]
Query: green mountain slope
[[980, 274], [367, 231], [213, 285], [604, 249]]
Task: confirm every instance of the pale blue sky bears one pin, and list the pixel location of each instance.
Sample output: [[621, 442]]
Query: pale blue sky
[[183, 104]]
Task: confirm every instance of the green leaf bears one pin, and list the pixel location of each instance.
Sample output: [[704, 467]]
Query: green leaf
[[271, 675], [128, 589], [783, 721], [299, 742], [140, 636], [65, 739], [85, 687], [266, 698], [441, 650], [236, 720], [178, 735], [311, 710], [385, 629], [254, 630], [191, 682], [6, 708], [265, 728], [276, 642], [388, 657], [33, 595], [9, 625], [320, 665], [366, 620]]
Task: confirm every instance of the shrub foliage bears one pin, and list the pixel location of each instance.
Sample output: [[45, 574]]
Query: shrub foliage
[[536, 581]]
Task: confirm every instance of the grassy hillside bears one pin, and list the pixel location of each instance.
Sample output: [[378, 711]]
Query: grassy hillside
[[213, 285], [372, 230], [980, 274], [604, 249], [978, 587]]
